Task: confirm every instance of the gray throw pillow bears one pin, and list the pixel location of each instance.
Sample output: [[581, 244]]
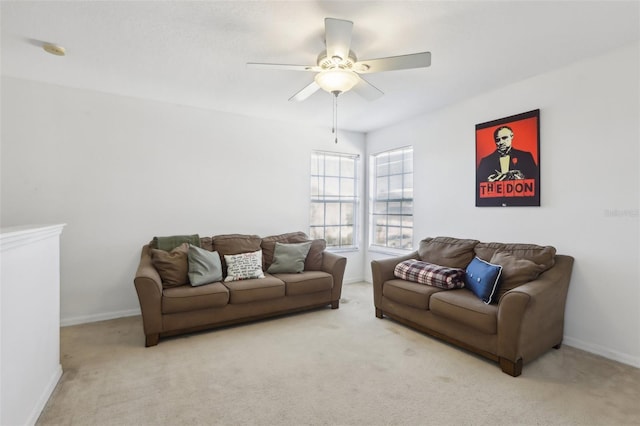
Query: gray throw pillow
[[204, 266], [289, 258]]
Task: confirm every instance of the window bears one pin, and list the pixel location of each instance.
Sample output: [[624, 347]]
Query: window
[[334, 198], [392, 199]]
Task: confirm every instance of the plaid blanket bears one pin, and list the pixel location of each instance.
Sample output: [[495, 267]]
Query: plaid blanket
[[430, 274]]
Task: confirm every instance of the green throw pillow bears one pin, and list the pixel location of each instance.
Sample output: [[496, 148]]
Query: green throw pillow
[[289, 258], [169, 243], [204, 266]]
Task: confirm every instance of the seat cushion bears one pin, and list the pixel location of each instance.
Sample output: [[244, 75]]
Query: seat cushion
[[187, 298], [409, 293], [306, 282], [251, 290], [463, 306]]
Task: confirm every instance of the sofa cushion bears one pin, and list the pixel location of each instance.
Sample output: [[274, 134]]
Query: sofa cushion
[[409, 293], [206, 243], [268, 244], [447, 251], [244, 266], [464, 307], [187, 298], [314, 257], [542, 255], [247, 291], [171, 242], [429, 274], [204, 266], [289, 258], [482, 279], [515, 271], [234, 244], [306, 282], [172, 266]]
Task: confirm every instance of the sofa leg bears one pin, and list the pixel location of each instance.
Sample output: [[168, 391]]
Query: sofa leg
[[558, 346], [379, 313], [335, 304], [513, 369], [151, 340]]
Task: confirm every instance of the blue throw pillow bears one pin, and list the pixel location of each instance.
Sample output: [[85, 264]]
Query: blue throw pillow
[[482, 279]]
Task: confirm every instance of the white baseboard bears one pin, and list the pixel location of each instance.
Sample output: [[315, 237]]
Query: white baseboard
[[64, 322], [602, 351], [44, 397]]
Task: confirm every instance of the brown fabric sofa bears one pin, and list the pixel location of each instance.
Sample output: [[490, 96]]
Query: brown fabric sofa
[[170, 308], [526, 320]]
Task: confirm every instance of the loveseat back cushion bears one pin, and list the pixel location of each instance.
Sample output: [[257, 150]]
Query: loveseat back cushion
[[429, 274], [447, 251], [187, 298], [515, 271], [234, 244], [464, 307], [542, 255], [172, 266]]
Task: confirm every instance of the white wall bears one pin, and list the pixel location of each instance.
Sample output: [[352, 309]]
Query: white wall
[[30, 321], [590, 133], [119, 171]]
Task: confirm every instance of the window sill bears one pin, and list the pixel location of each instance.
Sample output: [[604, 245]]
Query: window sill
[[389, 251], [343, 250]]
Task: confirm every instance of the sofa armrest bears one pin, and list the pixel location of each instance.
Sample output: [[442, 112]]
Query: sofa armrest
[[335, 265], [149, 288], [382, 270], [531, 316]]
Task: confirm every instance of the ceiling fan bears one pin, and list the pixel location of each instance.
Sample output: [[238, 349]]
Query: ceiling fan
[[339, 70]]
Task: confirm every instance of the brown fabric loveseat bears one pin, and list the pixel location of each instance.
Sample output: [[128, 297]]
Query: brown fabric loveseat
[[525, 320], [172, 305]]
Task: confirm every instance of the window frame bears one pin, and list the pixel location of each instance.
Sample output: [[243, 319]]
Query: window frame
[[404, 201], [322, 197]]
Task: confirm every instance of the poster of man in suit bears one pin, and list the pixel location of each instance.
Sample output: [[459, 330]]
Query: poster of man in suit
[[508, 161]]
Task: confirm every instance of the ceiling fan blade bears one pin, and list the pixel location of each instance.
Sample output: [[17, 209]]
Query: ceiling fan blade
[[392, 63], [337, 37], [305, 92], [367, 90], [287, 67]]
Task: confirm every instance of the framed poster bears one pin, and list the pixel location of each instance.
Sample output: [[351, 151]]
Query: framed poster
[[508, 161]]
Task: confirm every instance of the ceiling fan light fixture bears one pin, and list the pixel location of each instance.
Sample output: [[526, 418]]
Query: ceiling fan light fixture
[[336, 80]]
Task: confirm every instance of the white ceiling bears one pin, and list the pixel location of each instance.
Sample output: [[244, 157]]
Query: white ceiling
[[195, 53]]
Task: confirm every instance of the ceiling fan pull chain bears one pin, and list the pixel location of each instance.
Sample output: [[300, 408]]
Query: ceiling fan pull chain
[[335, 114]]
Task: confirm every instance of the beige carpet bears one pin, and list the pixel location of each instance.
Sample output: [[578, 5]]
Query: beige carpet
[[325, 367]]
